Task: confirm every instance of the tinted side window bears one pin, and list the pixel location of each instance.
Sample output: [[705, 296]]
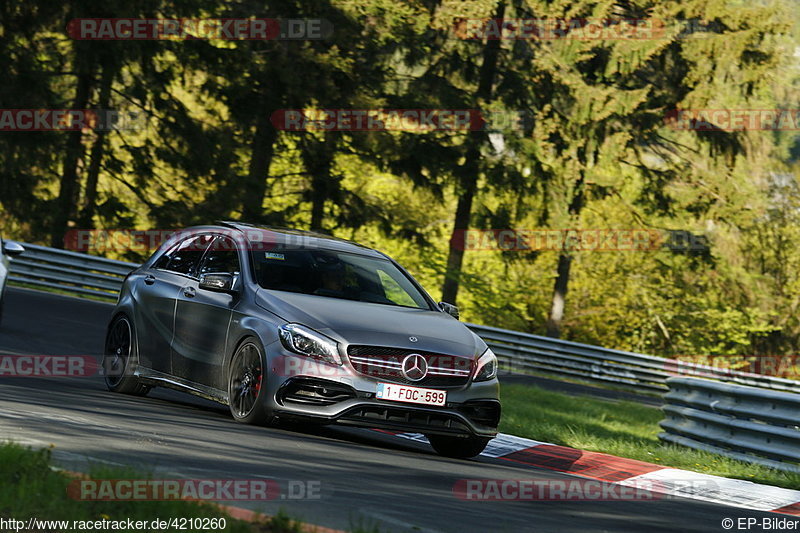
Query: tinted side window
[[221, 257], [163, 261], [186, 257]]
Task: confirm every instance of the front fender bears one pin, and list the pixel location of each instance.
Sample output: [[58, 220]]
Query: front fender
[[244, 326]]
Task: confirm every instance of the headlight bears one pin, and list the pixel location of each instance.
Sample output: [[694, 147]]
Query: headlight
[[305, 341], [487, 366]]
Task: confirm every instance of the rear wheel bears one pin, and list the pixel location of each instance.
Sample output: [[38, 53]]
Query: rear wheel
[[458, 447], [246, 384], [118, 364]]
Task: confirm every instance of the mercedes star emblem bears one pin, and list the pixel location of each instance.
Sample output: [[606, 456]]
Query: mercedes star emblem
[[415, 367]]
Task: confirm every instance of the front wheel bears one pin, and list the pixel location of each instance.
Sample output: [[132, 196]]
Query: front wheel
[[118, 364], [458, 447], [246, 384]]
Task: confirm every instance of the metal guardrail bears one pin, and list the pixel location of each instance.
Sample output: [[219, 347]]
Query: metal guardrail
[[520, 352], [84, 275], [71, 272], [745, 423]]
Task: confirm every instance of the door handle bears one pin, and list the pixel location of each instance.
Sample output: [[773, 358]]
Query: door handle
[[149, 279], [189, 292]]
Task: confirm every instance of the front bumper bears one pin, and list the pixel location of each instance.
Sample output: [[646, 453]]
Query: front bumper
[[348, 398], [402, 418]]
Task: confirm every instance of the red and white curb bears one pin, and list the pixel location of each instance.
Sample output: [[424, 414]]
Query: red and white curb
[[629, 472]]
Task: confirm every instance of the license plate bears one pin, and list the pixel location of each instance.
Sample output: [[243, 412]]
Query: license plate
[[402, 393]]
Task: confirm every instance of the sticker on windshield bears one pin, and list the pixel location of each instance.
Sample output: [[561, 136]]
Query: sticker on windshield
[[273, 255]]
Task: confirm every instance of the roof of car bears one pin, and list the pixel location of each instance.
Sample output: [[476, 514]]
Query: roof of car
[[289, 238]]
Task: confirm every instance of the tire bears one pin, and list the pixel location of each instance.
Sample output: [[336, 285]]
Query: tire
[[246, 384], [118, 363], [458, 447]]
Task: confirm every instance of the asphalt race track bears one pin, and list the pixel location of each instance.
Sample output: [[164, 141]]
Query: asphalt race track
[[365, 477]]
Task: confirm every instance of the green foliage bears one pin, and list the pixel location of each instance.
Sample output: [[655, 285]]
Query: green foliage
[[598, 153], [32, 488]]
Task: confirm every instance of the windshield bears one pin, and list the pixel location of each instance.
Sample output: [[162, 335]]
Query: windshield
[[336, 275]]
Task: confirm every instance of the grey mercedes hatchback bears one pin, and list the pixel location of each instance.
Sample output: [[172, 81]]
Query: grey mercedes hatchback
[[291, 325]]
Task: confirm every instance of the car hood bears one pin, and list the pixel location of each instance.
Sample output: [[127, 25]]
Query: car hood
[[374, 324]]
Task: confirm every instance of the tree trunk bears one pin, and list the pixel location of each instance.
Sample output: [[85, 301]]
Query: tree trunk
[[456, 256], [561, 286], [559, 296], [318, 158], [66, 204], [470, 171], [320, 186], [262, 150], [86, 219]]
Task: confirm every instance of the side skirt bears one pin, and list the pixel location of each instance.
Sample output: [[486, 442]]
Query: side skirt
[[159, 379]]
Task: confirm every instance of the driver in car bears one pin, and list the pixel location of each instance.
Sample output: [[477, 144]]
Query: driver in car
[[332, 276]]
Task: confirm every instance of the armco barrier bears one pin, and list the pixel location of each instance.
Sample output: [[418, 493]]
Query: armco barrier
[[639, 372], [71, 272], [744, 423], [84, 274]]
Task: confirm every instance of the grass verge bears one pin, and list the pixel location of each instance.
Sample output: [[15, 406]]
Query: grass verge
[[31, 488], [619, 428]]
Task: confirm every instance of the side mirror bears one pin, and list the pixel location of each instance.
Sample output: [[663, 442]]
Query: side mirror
[[12, 248], [450, 309], [217, 282]]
